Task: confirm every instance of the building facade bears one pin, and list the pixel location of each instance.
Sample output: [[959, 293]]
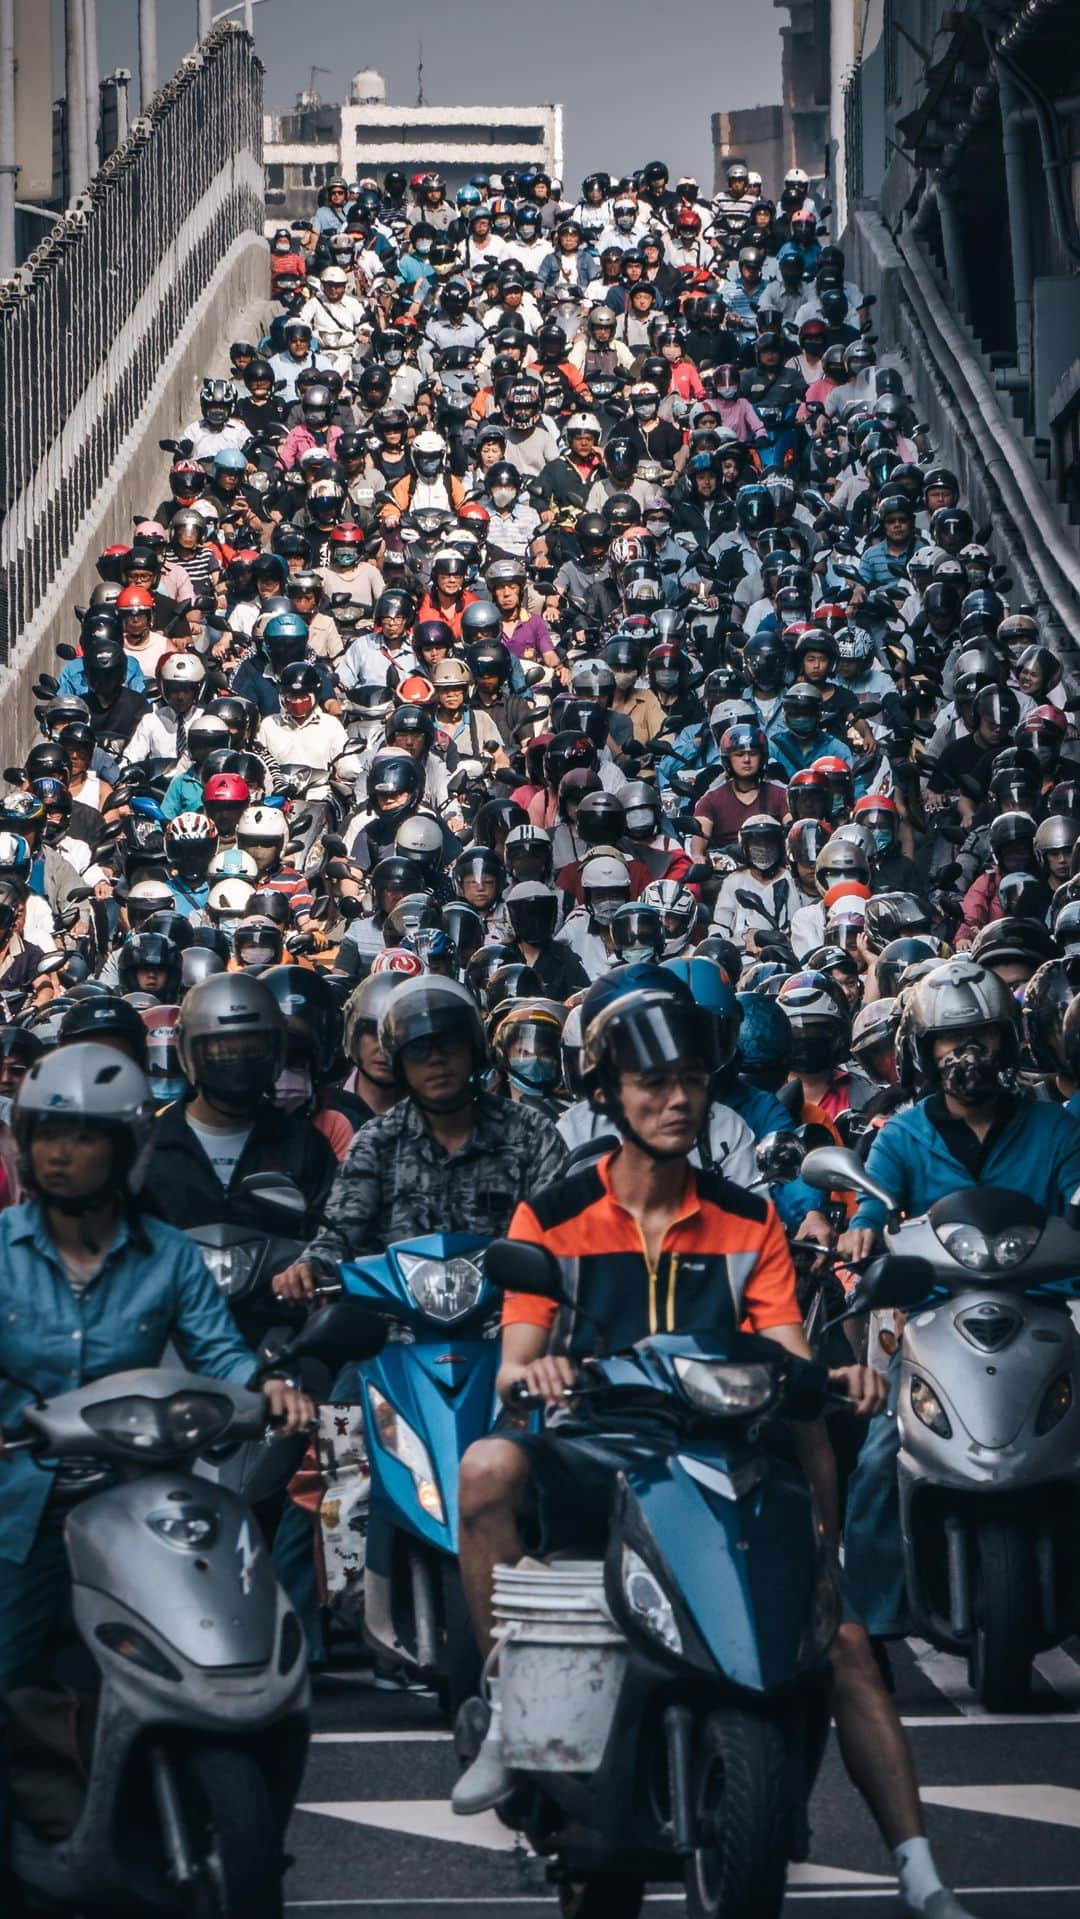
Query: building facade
[[306, 148]]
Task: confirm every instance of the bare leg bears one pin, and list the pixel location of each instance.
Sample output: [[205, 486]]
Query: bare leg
[[492, 1489], [872, 1741]]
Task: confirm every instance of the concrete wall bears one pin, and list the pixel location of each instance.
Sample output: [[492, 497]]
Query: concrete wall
[[234, 306]]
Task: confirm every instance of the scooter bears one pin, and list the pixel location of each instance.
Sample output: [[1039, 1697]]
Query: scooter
[[195, 1657], [989, 1418], [707, 1719], [426, 1397]]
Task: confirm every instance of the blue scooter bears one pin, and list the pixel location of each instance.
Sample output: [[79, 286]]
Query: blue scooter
[[426, 1397], [726, 1599]]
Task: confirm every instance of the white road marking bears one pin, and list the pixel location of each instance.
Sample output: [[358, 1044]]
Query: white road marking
[[378, 1738], [1057, 1671], [1048, 1805], [652, 1899]]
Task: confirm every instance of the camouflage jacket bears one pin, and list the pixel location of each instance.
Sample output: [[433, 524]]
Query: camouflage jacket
[[396, 1182]]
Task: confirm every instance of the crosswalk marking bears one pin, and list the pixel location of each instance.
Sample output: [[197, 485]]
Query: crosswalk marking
[[1056, 1672], [1047, 1805]]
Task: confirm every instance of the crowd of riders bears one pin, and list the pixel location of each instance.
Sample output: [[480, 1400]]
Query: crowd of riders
[[556, 600]]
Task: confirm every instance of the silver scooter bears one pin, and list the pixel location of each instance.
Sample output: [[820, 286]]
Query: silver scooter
[[989, 1419], [201, 1686]]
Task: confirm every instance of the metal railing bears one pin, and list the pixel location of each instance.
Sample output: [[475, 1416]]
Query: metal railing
[[87, 324]]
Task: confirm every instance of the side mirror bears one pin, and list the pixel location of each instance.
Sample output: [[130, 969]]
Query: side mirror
[[779, 1157], [828, 1167], [515, 1266], [343, 1330]]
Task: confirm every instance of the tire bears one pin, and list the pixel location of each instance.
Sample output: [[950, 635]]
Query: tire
[[741, 1803], [611, 1895], [1006, 1614], [462, 1664], [232, 1832]]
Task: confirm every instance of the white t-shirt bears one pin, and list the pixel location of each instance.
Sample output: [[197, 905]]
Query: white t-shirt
[[223, 1147]]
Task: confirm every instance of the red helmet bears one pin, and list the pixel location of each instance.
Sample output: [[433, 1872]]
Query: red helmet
[[1039, 715], [687, 221], [134, 599], [472, 512], [346, 536], [874, 803], [830, 764], [397, 959], [226, 789], [415, 690]]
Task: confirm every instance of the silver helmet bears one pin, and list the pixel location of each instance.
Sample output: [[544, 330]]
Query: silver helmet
[[100, 1085]]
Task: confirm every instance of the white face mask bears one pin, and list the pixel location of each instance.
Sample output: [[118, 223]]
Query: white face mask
[[293, 1089]]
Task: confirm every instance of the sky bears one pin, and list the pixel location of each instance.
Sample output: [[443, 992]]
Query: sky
[[636, 84]]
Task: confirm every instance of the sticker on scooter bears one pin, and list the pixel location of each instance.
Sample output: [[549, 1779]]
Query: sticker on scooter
[[249, 1553]]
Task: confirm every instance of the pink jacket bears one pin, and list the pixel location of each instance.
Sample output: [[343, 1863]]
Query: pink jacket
[[300, 438]]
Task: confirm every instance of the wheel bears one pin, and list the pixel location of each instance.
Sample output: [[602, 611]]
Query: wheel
[[741, 1802], [233, 1833], [1006, 1611], [604, 1895], [462, 1664]]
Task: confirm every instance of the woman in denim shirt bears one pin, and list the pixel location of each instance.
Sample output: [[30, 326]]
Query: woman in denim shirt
[[88, 1286]]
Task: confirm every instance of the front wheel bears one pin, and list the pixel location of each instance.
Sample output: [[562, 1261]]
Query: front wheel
[[1006, 1612], [741, 1802], [604, 1895], [232, 1836]]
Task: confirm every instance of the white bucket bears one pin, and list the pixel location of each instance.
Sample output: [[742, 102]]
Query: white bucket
[[561, 1664]]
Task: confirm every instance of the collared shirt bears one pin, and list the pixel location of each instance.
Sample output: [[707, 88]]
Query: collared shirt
[[396, 1182], [1033, 1147], [723, 1262], [152, 1287]]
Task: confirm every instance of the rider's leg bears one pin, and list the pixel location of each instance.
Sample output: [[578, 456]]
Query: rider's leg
[[878, 1759], [873, 1553], [492, 1488]]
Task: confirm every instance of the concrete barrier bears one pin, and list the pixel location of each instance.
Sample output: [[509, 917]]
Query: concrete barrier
[[234, 306]]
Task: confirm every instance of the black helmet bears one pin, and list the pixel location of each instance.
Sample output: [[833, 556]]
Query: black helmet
[[430, 1008], [150, 950], [312, 1016], [105, 1019]]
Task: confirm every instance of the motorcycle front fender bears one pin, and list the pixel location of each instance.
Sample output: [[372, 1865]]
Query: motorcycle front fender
[[446, 1415], [735, 1540]]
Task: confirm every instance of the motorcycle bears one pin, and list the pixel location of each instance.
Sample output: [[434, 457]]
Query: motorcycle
[[426, 1397], [710, 1712], [989, 1419], [193, 1654]]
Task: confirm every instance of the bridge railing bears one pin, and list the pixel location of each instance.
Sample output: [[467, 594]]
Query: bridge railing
[[87, 323]]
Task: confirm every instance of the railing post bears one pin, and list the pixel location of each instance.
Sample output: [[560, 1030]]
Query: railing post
[[76, 97], [147, 52], [7, 137]]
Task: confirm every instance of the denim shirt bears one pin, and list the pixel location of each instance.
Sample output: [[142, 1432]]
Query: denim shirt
[[1036, 1150], [56, 1340]]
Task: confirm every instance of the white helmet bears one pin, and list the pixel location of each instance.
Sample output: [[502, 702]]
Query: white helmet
[[678, 909], [795, 177], [582, 423], [232, 863], [180, 669], [88, 1081], [262, 823], [605, 884], [227, 902], [334, 277]]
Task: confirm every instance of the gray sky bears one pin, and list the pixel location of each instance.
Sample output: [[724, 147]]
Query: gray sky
[[635, 85]]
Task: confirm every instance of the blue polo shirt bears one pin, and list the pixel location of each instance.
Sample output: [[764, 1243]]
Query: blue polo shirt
[[151, 1288], [921, 1154]]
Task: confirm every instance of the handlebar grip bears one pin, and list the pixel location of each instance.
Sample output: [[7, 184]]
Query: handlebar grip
[[519, 1394]]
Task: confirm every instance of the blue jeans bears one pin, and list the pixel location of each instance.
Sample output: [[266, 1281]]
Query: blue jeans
[[33, 1597], [293, 1554], [873, 1552]]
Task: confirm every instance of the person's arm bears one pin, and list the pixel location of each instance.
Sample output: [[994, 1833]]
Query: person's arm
[[351, 1211], [866, 1392]]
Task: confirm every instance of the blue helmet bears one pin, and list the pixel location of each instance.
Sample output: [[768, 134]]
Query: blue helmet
[[230, 460], [469, 195], [708, 988], [626, 979], [764, 1036], [755, 508], [286, 626]]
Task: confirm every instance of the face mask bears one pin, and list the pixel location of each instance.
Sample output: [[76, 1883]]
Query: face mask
[[645, 409], [423, 248], [603, 911], [166, 1089], [658, 528], [883, 840], [293, 1089], [503, 497], [728, 392], [971, 1073], [392, 357], [811, 1052], [666, 680], [257, 957], [625, 678], [762, 858], [637, 955], [534, 1075], [803, 725]]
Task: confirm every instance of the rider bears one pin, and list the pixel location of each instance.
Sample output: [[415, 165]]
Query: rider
[[678, 1238]]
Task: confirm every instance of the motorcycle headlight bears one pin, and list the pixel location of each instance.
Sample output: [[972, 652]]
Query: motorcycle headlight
[[128, 1643], [191, 1527], [1056, 1402], [160, 1427], [648, 1602], [716, 1387], [398, 1438], [232, 1266], [442, 1288], [988, 1252], [928, 1408]]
